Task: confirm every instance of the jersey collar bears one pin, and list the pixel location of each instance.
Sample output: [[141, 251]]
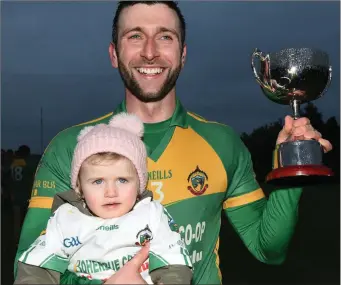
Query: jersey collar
[[179, 117]]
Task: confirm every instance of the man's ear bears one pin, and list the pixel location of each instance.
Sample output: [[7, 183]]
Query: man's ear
[[183, 56], [113, 55]]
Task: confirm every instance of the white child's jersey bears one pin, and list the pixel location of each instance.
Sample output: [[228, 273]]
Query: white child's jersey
[[96, 248]]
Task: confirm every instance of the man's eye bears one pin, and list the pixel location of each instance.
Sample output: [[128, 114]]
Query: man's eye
[[166, 37], [135, 36], [98, 181]]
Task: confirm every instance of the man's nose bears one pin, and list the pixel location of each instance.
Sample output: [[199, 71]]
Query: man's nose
[[150, 50]]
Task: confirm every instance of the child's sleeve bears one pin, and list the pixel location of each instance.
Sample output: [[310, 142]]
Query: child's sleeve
[[48, 250], [29, 274], [167, 250]]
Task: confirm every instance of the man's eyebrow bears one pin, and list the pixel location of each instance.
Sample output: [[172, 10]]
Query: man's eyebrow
[[159, 30], [135, 29]]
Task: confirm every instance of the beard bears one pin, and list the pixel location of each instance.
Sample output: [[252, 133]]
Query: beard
[[135, 89]]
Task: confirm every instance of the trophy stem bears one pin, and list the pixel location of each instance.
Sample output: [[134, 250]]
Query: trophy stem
[[295, 105]]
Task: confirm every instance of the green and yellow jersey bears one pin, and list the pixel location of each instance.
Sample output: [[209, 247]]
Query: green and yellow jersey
[[196, 169], [21, 176]]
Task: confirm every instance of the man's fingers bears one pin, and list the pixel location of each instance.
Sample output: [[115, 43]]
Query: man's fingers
[[301, 122], [303, 130], [286, 131], [140, 257], [288, 124], [314, 135], [327, 146]]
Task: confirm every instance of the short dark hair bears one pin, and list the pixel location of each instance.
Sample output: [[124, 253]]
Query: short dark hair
[[171, 4], [24, 151]]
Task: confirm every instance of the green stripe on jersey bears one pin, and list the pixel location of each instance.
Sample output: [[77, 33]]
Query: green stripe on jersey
[[156, 261]]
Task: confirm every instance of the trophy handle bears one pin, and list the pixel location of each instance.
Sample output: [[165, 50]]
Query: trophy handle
[[329, 81], [266, 64]]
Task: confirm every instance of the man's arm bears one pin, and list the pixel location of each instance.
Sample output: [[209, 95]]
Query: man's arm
[[46, 257], [169, 261], [52, 176], [266, 226]]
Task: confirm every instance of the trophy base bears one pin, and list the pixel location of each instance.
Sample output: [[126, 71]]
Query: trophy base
[[297, 175], [299, 163]]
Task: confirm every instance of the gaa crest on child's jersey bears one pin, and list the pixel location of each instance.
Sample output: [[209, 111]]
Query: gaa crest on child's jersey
[[143, 236], [198, 182]]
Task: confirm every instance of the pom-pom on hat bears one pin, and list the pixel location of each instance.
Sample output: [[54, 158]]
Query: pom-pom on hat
[[122, 135]]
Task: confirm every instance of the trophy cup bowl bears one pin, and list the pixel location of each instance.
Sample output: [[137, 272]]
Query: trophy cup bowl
[[295, 76]]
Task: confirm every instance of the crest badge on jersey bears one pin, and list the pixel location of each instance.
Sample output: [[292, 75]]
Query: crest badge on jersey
[[143, 236], [198, 182]]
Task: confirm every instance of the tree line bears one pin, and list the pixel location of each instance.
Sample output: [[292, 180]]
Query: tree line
[[261, 142]]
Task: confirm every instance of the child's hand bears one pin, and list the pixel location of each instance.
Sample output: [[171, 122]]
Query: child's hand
[[129, 273]]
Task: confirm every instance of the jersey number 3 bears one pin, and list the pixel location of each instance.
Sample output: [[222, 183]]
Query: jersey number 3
[[158, 190]]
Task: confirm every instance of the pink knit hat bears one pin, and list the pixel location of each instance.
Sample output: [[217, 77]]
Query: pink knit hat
[[122, 136]]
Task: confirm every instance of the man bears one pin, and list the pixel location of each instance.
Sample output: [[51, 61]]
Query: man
[[3, 178], [6, 159], [196, 168], [22, 169]]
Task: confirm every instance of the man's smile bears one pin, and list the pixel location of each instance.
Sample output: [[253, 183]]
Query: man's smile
[[150, 71]]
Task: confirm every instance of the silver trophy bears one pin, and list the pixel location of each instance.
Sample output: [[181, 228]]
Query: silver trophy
[[292, 77]]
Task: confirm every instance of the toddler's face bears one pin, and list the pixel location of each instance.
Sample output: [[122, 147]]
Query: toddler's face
[[109, 187]]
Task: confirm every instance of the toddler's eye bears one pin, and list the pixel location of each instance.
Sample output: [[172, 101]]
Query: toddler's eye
[[98, 181], [122, 180]]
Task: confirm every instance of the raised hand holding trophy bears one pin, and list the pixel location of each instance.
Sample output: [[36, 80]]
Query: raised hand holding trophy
[[292, 77]]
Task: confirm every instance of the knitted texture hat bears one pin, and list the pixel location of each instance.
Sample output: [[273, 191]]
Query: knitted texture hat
[[122, 135]]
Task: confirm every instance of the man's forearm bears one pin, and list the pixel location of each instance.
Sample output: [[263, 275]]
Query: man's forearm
[[267, 226], [35, 222]]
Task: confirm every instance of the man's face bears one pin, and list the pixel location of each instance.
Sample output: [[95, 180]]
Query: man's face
[[148, 54]]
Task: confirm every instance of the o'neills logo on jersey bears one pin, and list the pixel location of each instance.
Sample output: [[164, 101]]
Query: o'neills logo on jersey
[[198, 179], [108, 228], [143, 236]]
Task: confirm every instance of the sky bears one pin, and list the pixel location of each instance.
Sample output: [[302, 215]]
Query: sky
[[54, 56]]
